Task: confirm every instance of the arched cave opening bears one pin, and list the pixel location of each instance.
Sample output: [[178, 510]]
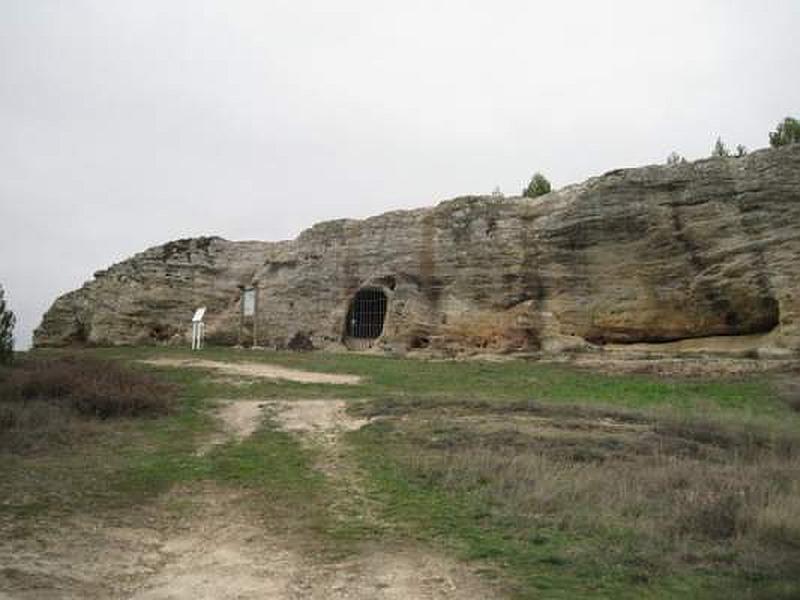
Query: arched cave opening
[[366, 314]]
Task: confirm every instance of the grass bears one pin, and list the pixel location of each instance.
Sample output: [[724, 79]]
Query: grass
[[572, 502], [89, 386], [44, 400], [602, 499], [68, 460], [270, 466], [562, 483], [425, 382]]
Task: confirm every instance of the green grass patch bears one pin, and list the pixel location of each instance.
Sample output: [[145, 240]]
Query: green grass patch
[[431, 381], [542, 555], [114, 464]]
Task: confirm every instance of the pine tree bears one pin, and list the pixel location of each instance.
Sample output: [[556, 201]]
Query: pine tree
[[7, 322], [720, 149], [537, 187]]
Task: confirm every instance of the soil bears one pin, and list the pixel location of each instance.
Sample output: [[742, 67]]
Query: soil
[[238, 419], [204, 542], [258, 370], [322, 420]]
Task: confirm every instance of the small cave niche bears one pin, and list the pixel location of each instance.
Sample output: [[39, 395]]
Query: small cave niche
[[418, 342], [79, 333], [366, 314], [161, 333]]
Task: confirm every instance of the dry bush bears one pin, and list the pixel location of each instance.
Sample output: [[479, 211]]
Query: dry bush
[[47, 399], [778, 519], [790, 391], [38, 425]]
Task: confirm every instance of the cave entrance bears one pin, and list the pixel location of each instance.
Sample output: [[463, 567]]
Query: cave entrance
[[366, 315]]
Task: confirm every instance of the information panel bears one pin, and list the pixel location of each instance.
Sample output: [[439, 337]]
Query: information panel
[[249, 303]]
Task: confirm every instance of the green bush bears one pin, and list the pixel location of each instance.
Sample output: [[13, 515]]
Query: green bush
[[787, 132], [537, 187]]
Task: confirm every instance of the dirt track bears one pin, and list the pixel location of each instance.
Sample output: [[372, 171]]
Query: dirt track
[[258, 370], [216, 548]]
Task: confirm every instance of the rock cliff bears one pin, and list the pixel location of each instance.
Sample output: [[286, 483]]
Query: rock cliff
[[649, 255]]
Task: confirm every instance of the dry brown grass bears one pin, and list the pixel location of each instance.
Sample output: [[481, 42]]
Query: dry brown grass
[[51, 398], [790, 390], [691, 491]]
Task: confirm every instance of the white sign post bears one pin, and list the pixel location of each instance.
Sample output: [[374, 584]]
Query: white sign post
[[198, 328]]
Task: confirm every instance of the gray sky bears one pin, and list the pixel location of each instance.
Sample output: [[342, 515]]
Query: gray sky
[[126, 124]]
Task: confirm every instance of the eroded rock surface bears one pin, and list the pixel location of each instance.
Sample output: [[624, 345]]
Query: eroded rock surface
[[647, 255]]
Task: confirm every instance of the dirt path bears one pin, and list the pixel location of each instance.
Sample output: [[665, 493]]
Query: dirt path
[[238, 419], [258, 370], [220, 551], [205, 542], [320, 425], [405, 573]]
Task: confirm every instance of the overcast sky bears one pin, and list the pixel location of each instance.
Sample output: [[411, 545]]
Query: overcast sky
[[124, 124]]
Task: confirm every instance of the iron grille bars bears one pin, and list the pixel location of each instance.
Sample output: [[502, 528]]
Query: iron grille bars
[[367, 313]]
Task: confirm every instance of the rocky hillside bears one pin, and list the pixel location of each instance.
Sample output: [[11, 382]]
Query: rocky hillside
[[649, 255]]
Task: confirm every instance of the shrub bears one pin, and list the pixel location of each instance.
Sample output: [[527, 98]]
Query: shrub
[[538, 186], [715, 514], [790, 392], [301, 342], [7, 322], [720, 149], [89, 387], [787, 132], [674, 158]]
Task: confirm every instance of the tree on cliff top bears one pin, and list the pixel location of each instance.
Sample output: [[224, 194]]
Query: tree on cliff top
[[720, 149], [787, 132], [537, 187], [675, 159], [7, 322]]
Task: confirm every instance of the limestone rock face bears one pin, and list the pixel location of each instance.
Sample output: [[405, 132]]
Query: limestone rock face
[[647, 255], [147, 298]]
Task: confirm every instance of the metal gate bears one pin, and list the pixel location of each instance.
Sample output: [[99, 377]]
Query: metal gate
[[366, 315]]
